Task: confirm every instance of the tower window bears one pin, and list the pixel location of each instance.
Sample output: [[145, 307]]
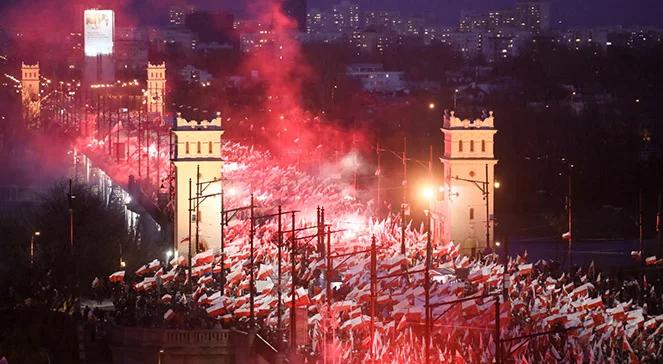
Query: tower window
[[198, 148], [209, 147], [187, 148], [460, 145], [483, 145], [471, 145], [471, 213]]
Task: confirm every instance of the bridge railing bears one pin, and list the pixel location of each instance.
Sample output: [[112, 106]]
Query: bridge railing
[[165, 338]]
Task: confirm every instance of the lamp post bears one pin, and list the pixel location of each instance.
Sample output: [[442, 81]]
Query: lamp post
[[32, 247]]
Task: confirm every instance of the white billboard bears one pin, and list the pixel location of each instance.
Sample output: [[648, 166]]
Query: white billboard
[[98, 29]]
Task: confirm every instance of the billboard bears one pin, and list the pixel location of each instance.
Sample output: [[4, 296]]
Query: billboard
[[98, 28]]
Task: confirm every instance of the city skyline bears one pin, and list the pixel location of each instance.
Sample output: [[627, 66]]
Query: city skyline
[[444, 12]]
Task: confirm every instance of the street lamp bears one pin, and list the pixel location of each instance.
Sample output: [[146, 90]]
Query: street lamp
[[32, 247]]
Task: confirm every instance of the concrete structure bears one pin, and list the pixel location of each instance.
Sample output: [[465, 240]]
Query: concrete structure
[[156, 87], [197, 158], [459, 214], [30, 97], [374, 78], [163, 346]]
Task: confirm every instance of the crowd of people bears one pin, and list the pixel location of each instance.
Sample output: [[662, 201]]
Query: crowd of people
[[545, 314]]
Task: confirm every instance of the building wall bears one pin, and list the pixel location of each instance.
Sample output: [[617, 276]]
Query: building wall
[[459, 214], [198, 145]]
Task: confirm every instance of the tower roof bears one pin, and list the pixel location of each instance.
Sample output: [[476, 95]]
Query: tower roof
[[451, 121], [182, 124]]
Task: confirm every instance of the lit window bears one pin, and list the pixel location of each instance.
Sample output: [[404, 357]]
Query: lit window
[[471, 213], [209, 145], [483, 145], [187, 148], [198, 144], [460, 145], [471, 145]]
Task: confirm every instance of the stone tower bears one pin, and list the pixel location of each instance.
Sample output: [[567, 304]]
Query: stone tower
[[156, 87], [30, 97], [463, 212], [197, 158]]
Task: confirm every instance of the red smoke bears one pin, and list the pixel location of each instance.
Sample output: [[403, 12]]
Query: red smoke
[[293, 133]]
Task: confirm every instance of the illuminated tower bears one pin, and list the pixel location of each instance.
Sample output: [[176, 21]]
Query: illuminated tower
[[30, 97], [156, 87], [464, 210], [197, 147]]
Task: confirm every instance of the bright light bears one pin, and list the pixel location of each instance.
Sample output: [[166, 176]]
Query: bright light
[[37, 233], [431, 106], [497, 244], [127, 199], [231, 191], [428, 193], [122, 264], [98, 32], [169, 254], [496, 184]]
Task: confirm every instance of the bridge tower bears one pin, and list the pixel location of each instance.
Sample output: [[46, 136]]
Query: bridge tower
[[30, 97], [463, 211], [197, 158], [156, 87]]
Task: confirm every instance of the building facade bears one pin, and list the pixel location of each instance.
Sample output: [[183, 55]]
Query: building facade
[[30, 97], [156, 87], [197, 161], [463, 210]]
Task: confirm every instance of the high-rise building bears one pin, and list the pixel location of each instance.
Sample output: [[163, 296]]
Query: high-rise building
[[533, 16], [345, 17], [296, 10], [177, 14]]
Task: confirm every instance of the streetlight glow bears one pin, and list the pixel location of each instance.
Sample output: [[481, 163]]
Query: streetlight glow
[[431, 105], [37, 233], [428, 193], [496, 184], [169, 254]]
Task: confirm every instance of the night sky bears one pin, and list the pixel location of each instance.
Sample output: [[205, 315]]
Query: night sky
[[571, 12]]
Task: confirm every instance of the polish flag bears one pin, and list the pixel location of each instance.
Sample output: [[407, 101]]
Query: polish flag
[[355, 313], [264, 287], [216, 310], [343, 306], [205, 257], [166, 298], [235, 277], [244, 311], [470, 308], [169, 315], [168, 277], [594, 303], [524, 269], [154, 265], [566, 236], [143, 270], [581, 290], [206, 279], [650, 260], [265, 271], [117, 277]]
